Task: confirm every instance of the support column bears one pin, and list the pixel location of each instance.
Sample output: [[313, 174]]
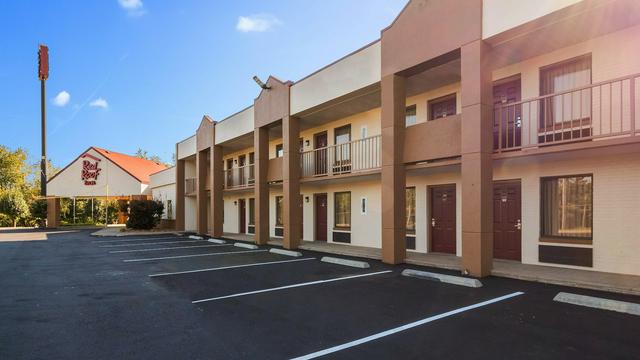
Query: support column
[[180, 194], [261, 188], [393, 171], [477, 164], [291, 182], [53, 213], [201, 191], [217, 187]]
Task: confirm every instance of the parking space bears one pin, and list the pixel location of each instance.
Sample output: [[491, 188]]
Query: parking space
[[177, 299]]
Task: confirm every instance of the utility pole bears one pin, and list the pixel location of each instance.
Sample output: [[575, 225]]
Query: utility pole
[[43, 75]]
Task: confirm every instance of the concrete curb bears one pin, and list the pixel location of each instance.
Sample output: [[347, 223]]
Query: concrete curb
[[246, 246], [195, 237], [345, 262], [285, 252], [217, 241], [449, 279], [598, 303]]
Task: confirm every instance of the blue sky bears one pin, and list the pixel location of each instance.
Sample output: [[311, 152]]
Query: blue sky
[[126, 74]]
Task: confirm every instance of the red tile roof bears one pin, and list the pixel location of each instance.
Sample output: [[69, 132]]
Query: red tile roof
[[135, 166]]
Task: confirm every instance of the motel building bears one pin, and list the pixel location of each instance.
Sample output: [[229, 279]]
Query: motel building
[[507, 135], [100, 174]]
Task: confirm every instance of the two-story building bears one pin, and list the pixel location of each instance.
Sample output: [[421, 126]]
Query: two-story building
[[472, 129]]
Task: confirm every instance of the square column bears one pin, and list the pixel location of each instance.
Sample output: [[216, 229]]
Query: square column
[[216, 178], [53, 213], [393, 171], [477, 163], [291, 182], [261, 187], [201, 191], [180, 178]]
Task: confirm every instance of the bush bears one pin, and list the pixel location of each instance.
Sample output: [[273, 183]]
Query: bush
[[144, 214]]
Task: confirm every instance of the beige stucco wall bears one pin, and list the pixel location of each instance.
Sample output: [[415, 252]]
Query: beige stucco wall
[[616, 195], [235, 125], [69, 183], [190, 208], [502, 15], [347, 75], [164, 193], [421, 100], [186, 147]]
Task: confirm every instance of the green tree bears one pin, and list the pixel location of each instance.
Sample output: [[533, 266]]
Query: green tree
[[144, 154], [13, 168], [13, 205]]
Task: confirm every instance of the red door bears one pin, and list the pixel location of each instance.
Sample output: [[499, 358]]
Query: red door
[[320, 145], [242, 208], [321, 217], [443, 219], [507, 234], [509, 133]]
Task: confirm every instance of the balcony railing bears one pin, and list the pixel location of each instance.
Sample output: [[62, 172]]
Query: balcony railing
[[189, 186], [239, 177], [351, 157], [602, 110]]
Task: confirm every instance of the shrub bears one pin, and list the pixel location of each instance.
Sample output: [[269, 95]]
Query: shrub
[[144, 214]]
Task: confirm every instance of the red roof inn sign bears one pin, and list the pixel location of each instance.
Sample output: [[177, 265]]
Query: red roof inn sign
[[90, 170]]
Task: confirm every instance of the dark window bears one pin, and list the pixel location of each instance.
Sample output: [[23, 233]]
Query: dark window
[[410, 204], [410, 115], [279, 151], [251, 157], [567, 207], [342, 134], [279, 211], [561, 77], [252, 213], [442, 107], [342, 210]]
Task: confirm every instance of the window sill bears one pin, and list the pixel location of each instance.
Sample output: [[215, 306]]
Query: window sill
[[574, 241], [342, 229]]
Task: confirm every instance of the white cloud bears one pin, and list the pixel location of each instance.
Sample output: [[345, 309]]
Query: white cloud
[[99, 102], [257, 23], [133, 7], [62, 98]]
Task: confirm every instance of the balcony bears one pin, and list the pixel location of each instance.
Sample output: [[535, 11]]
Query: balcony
[[604, 110], [348, 158], [239, 177]]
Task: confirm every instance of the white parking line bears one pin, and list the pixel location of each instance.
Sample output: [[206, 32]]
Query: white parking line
[[137, 239], [291, 286], [406, 327], [165, 248], [155, 243], [194, 255], [229, 267]]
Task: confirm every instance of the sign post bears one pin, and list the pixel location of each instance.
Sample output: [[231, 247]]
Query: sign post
[[43, 75]]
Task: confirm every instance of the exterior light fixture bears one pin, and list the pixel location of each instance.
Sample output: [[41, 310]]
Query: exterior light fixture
[[260, 83]]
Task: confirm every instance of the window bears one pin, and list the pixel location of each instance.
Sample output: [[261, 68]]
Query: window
[[251, 157], [410, 115], [279, 151], [563, 76], [410, 205], [363, 206], [442, 107], [342, 155], [567, 207], [342, 210], [252, 211], [279, 211], [169, 209]]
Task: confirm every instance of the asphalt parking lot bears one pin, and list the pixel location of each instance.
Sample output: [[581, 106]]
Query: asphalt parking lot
[[67, 295]]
